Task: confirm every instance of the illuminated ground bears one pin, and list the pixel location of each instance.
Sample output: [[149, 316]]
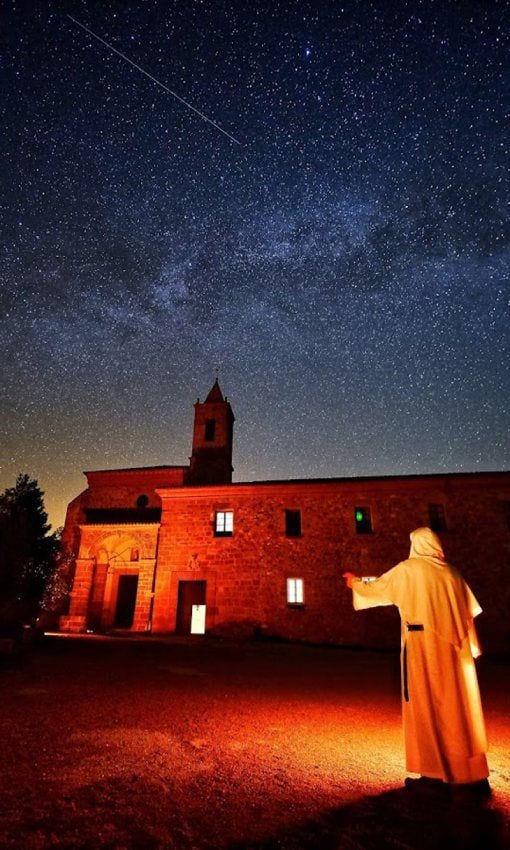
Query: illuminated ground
[[205, 744]]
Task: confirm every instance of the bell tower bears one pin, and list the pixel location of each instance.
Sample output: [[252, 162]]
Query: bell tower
[[211, 454]]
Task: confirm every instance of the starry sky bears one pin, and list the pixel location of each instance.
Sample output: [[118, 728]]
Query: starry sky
[[341, 256]]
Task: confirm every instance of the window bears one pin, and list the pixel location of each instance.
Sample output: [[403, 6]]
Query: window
[[437, 517], [210, 428], [142, 501], [295, 591], [224, 524], [293, 523], [363, 520], [134, 555], [506, 509]]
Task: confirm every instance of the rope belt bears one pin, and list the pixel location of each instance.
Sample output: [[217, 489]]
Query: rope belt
[[411, 627]]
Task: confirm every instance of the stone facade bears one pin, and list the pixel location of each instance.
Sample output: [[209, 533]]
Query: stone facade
[[106, 554], [287, 537]]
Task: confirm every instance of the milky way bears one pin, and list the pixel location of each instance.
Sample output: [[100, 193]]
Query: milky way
[[345, 267]]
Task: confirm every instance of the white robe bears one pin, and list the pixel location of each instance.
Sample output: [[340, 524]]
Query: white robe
[[442, 713]]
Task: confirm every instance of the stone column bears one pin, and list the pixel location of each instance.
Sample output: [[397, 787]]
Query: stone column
[[76, 619], [143, 596]]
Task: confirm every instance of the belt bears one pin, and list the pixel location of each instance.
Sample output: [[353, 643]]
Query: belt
[[411, 627]]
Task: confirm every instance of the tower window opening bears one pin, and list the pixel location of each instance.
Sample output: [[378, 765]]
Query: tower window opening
[[210, 429]]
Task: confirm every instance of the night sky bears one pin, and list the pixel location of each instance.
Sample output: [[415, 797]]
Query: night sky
[[342, 260]]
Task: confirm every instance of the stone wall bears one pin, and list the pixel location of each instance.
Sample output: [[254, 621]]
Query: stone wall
[[246, 574], [121, 488]]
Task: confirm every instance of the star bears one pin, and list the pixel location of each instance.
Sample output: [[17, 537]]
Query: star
[[347, 265]]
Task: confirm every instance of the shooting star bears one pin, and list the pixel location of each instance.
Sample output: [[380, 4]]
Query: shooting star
[[158, 82]]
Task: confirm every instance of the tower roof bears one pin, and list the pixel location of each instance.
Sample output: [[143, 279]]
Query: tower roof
[[215, 394]]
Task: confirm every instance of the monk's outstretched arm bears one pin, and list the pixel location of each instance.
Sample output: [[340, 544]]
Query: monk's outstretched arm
[[369, 594]]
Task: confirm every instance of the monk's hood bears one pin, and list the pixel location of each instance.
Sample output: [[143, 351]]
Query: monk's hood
[[443, 602], [426, 544]]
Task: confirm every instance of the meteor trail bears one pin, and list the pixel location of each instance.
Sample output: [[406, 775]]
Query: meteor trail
[[162, 85]]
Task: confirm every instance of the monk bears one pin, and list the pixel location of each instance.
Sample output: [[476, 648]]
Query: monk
[[442, 712]]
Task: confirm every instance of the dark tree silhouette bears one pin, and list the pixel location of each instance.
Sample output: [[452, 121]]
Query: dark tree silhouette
[[27, 551]]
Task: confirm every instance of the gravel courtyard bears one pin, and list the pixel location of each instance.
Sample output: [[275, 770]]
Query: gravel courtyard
[[200, 743]]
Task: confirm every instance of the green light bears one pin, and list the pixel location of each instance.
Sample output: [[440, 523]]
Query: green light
[[360, 516]]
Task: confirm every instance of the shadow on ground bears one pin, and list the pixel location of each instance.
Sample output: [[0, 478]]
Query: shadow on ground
[[403, 819], [114, 815]]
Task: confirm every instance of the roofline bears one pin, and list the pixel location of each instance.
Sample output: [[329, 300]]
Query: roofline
[[204, 489], [341, 479], [137, 468], [344, 479], [123, 525]]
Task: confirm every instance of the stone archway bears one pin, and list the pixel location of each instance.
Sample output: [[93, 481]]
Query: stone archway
[[106, 553], [115, 550]]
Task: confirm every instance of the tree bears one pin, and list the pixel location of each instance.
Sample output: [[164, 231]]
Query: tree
[[27, 550]]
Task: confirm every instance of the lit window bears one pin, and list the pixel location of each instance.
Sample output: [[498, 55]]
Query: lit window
[[293, 523], [224, 524], [437, 517], [363, 520], [295, 591], [210, 428]]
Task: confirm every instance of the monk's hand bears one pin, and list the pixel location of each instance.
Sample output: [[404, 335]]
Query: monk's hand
[[349, 578]]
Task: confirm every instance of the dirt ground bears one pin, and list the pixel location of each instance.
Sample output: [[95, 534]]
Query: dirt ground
[[197, 743]]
